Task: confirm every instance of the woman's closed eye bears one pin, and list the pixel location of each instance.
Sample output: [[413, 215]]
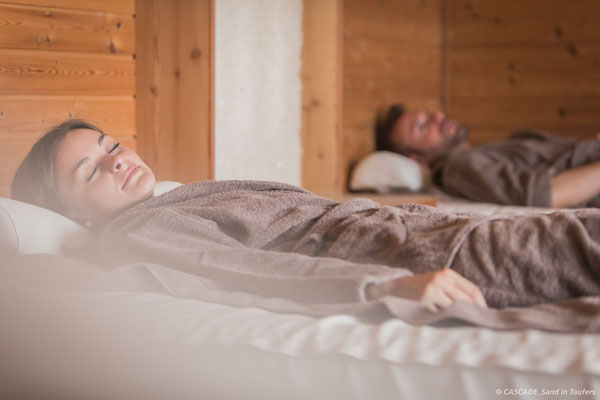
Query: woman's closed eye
[[111, 150]]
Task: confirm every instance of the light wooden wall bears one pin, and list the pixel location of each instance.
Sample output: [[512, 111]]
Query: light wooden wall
[[322, 166], [175, 40], [516, 64], [391, 53], [360, 56], [63, 59]]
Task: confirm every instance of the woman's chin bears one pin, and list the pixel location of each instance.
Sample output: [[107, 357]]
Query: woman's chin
[[143, 186]]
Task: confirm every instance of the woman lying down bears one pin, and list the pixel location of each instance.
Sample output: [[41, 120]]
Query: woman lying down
[[282, 241]]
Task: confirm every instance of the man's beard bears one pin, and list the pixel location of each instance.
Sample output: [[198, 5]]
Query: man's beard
[[460, 137], [449, 145]]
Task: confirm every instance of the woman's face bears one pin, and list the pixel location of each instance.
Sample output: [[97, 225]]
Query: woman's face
[[97, 178]]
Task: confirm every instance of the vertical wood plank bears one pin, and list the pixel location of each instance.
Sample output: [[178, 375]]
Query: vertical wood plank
[[392, 54], [321, 95], [174, 87], [446, 66]]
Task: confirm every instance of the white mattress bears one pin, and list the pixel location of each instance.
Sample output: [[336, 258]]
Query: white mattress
[[191, 349]]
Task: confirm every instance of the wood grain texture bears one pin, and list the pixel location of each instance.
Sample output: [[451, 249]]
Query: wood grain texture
[[531, 9], [386, 57], [529, 111], [554, 21], [532, 64], [27, 117], [392, 53], [54, 29], [48, 72], [525, 58], [550, 84], [515, 28], [321, 95], [407, 22], [174, 88], [111, 6]]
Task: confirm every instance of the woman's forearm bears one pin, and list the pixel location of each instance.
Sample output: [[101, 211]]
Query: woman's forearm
[[575, 186]]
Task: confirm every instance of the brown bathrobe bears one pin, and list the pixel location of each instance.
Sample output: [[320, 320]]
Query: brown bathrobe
[[516, 171], [280, 241]]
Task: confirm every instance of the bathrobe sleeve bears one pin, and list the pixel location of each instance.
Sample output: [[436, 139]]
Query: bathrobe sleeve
[[196, 245]]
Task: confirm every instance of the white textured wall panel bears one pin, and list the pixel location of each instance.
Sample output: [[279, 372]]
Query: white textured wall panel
[[258, 95]]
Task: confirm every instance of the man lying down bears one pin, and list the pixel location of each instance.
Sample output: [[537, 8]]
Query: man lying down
[[530, 168], [281, 241]]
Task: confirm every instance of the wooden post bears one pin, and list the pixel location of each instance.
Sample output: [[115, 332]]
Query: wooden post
[[174, 87], [322, 95]]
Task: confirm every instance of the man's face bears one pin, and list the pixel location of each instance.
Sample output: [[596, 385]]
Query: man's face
[[98, 178], [427, 134]]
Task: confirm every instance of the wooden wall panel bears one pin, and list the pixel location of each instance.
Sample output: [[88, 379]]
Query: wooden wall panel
[[25, 117], [321, 95], [62, 59], [405, 21], [103, 6], [535, 10], [48, 72], [26, 27], [552, 110], [529, 64], [392, 53], [525, 58], [174, 87], [534, 21]]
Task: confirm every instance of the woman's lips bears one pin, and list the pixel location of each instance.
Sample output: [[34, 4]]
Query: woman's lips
[[131, 171]]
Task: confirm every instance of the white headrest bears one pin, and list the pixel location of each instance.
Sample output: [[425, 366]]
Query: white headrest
[[383, 171]]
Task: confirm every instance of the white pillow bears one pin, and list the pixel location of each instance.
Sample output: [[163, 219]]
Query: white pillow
[[28, 229], [384, 171], [165, 186]]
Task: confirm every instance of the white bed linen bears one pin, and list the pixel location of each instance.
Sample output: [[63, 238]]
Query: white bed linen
[[391, 340], [204, 350], [391, 359]]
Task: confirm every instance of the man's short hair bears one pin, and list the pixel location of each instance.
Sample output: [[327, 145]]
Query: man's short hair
[[384, 128]]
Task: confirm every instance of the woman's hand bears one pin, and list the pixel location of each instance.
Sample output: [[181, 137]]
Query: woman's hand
[[436, 289]]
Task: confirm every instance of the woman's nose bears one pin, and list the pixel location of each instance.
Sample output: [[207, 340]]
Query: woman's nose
[[114, 163]]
